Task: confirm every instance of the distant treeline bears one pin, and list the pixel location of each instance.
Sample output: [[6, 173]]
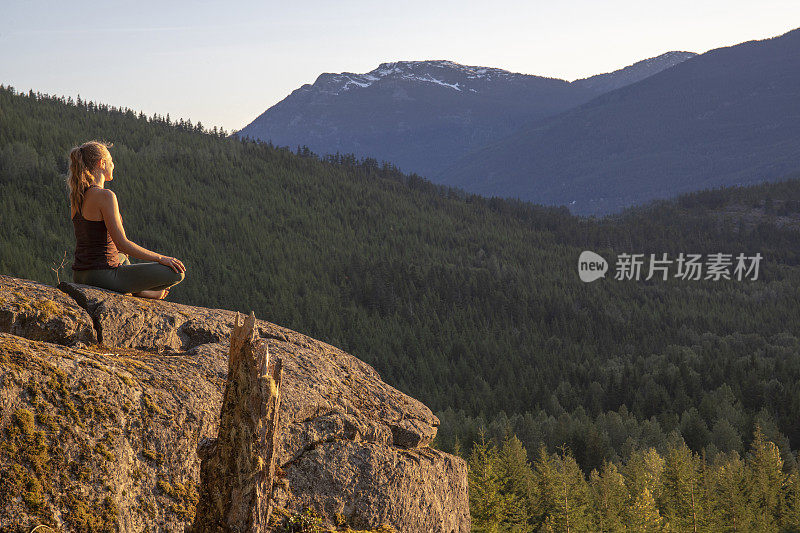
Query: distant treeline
[[473, 305]]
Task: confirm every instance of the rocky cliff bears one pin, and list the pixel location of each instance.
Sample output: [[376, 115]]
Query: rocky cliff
[[104, 399]]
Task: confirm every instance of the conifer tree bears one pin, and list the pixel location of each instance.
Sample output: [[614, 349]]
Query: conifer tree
[[486, 504], [644, 515], [545, 487], [609, 498], [790, 518], [569, 497], [681, 498], [516, 482], [731, 494], [767, 482], [644, 470]]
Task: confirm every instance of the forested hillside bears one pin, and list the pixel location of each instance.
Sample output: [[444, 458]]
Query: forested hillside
[[472, 305]]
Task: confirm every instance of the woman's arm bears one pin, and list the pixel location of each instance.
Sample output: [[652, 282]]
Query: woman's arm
[[110, 210]]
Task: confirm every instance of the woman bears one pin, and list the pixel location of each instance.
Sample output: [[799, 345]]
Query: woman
[[101, 247]]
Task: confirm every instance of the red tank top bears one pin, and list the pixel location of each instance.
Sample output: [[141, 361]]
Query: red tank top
[[94, 247]]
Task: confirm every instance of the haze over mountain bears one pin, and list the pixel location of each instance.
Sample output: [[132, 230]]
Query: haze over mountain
[[726, 117], [422, 115]]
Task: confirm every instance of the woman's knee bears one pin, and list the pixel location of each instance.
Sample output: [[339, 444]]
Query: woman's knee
[[176, 277], [148, 276], [170, 275]]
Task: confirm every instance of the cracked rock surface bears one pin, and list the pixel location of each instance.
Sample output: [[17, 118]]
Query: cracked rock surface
[[350, 444]]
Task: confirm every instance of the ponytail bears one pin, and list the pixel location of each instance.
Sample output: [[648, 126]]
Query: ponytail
[[82, 160]]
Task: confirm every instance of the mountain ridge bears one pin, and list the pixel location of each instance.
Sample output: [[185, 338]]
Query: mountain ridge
[[684, 128], [406, 69], [421, 115]]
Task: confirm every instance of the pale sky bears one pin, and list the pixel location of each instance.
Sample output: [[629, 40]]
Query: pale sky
[[224, 63]]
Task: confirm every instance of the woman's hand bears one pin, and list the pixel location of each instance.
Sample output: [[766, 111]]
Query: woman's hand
[[172, 262]]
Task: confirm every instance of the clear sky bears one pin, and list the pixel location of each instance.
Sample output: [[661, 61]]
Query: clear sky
[[224, 63]]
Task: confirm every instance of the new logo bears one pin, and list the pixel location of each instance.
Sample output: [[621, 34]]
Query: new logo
[[591, 266]]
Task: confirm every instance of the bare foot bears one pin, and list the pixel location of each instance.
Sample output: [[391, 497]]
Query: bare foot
[[156, 295]]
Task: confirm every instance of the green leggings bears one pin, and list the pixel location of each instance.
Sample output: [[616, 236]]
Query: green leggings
[[130, 277]]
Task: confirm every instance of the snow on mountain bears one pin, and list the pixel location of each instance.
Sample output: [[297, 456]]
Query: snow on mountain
[[458, 77], [448, 74]]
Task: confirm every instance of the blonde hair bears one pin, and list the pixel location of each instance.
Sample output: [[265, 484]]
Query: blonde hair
[[82, 160]]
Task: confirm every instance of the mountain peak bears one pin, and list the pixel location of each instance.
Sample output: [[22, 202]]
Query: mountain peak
[[445, 73], [404, 66]]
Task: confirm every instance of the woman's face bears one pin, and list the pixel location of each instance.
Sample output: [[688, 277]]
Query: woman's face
[[107, 167]]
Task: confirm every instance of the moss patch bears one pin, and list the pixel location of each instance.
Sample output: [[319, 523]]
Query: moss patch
[[89, 517], [37, 476], [23, 419], [152, 455], [150, 406], [41, 307], [164, 487], [48, 308], [29, 451]]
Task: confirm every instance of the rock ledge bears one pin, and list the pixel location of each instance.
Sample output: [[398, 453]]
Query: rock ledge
[[119, 422]]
